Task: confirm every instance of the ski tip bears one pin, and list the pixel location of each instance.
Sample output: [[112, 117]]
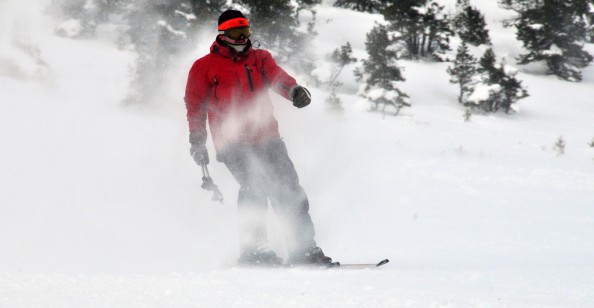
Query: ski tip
[[382, 262]]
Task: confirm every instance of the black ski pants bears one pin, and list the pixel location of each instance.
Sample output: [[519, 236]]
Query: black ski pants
[[266, 173]]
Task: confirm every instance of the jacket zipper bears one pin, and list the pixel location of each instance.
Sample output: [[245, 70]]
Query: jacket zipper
[[216, 83], [249, 76]]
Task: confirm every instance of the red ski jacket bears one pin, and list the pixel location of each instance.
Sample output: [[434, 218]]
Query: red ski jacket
[[231, 90]]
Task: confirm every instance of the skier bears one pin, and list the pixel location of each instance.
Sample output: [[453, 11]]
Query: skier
[[229, 87]]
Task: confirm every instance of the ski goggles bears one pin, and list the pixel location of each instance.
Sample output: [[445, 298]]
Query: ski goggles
[[238, 33]]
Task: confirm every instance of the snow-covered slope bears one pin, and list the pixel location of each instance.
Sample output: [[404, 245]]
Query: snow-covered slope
[[100, 203]]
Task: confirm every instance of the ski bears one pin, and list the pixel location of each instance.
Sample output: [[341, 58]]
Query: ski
[[338, 265], [333, 265]]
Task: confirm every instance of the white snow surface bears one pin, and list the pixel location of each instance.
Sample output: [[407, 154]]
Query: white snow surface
[[100, 204], [482, 92]]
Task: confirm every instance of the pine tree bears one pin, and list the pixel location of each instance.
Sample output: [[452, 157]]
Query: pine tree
[[463, 72], [559, 146], [590, 23], [274, 24], [380, 72], [499, 82], [470, 24], [422, 26], [487, 65], [520, 6], [554, 32], [513, 90], [157, 32], [206, 11], [370, 6], [341, 57], [585, 9], [303, 5]]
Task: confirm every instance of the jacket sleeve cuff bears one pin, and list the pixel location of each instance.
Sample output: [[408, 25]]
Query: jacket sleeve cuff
[[198, 137], [291, 93]]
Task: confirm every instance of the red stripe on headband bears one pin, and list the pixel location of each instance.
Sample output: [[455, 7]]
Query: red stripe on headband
[[234, 23]]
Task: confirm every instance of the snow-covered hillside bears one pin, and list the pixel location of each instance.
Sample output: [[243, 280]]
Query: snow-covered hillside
[[100, 203]]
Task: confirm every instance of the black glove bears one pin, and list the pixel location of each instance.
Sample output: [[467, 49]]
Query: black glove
[[301, 97], [199, 153]]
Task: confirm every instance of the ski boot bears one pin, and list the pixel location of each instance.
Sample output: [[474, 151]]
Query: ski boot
[[263, 257], [313, 257]]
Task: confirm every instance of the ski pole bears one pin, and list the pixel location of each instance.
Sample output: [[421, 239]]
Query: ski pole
[[209, 185]]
